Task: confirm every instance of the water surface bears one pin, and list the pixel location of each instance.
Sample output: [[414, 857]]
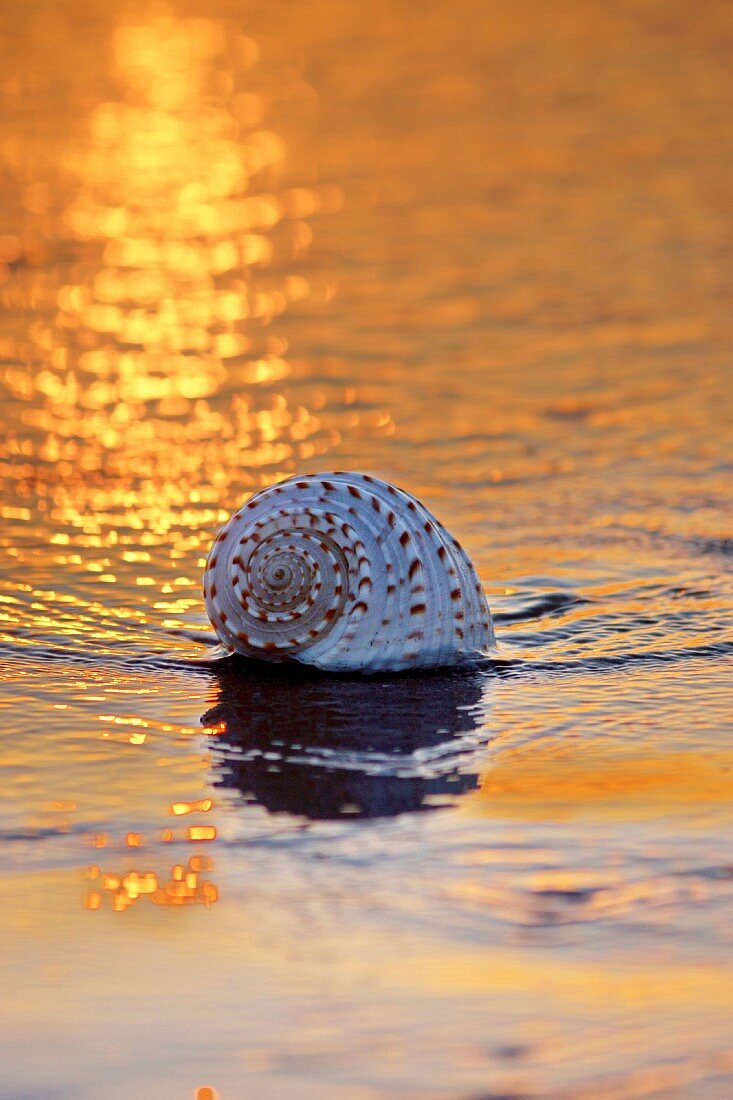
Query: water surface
[[483, 251]]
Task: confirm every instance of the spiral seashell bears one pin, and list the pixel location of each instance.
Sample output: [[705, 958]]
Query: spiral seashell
[[345, 572]]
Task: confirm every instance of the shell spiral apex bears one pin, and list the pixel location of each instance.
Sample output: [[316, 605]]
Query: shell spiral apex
[[345, 572]]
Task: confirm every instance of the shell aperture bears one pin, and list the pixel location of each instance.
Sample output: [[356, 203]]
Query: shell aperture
[[345, 572]]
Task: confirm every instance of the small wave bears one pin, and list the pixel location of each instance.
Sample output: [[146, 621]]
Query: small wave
[[537, 607], [37, 655], [612, 662], [10, 836], [722, 546], [204, 655]]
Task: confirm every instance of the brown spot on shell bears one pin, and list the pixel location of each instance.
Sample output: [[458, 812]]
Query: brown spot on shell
[[213, 591], [405, 538], [354, 492], [361, 606], [415, 566], [415, 635], [455, 594], [418, 609], [243, 637]]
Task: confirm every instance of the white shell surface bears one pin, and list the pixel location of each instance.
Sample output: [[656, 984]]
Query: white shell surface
[[345, 572]]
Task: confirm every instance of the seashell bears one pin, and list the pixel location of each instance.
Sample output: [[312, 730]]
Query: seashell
[[348, 573]]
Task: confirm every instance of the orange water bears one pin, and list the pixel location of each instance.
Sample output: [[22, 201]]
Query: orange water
[[482, 250]]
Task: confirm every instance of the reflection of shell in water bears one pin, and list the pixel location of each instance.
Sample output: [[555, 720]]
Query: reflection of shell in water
[[348, 573], [322, 748]]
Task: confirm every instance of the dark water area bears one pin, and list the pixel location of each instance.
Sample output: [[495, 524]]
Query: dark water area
[[480, 250], [326, 747]]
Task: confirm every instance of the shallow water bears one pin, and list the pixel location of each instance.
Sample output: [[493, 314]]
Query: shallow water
[[482, 251]]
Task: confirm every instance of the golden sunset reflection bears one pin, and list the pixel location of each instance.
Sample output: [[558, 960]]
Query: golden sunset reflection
[[183, 886], [155, 352], [154, 401], [480, 251], [568, 780]]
